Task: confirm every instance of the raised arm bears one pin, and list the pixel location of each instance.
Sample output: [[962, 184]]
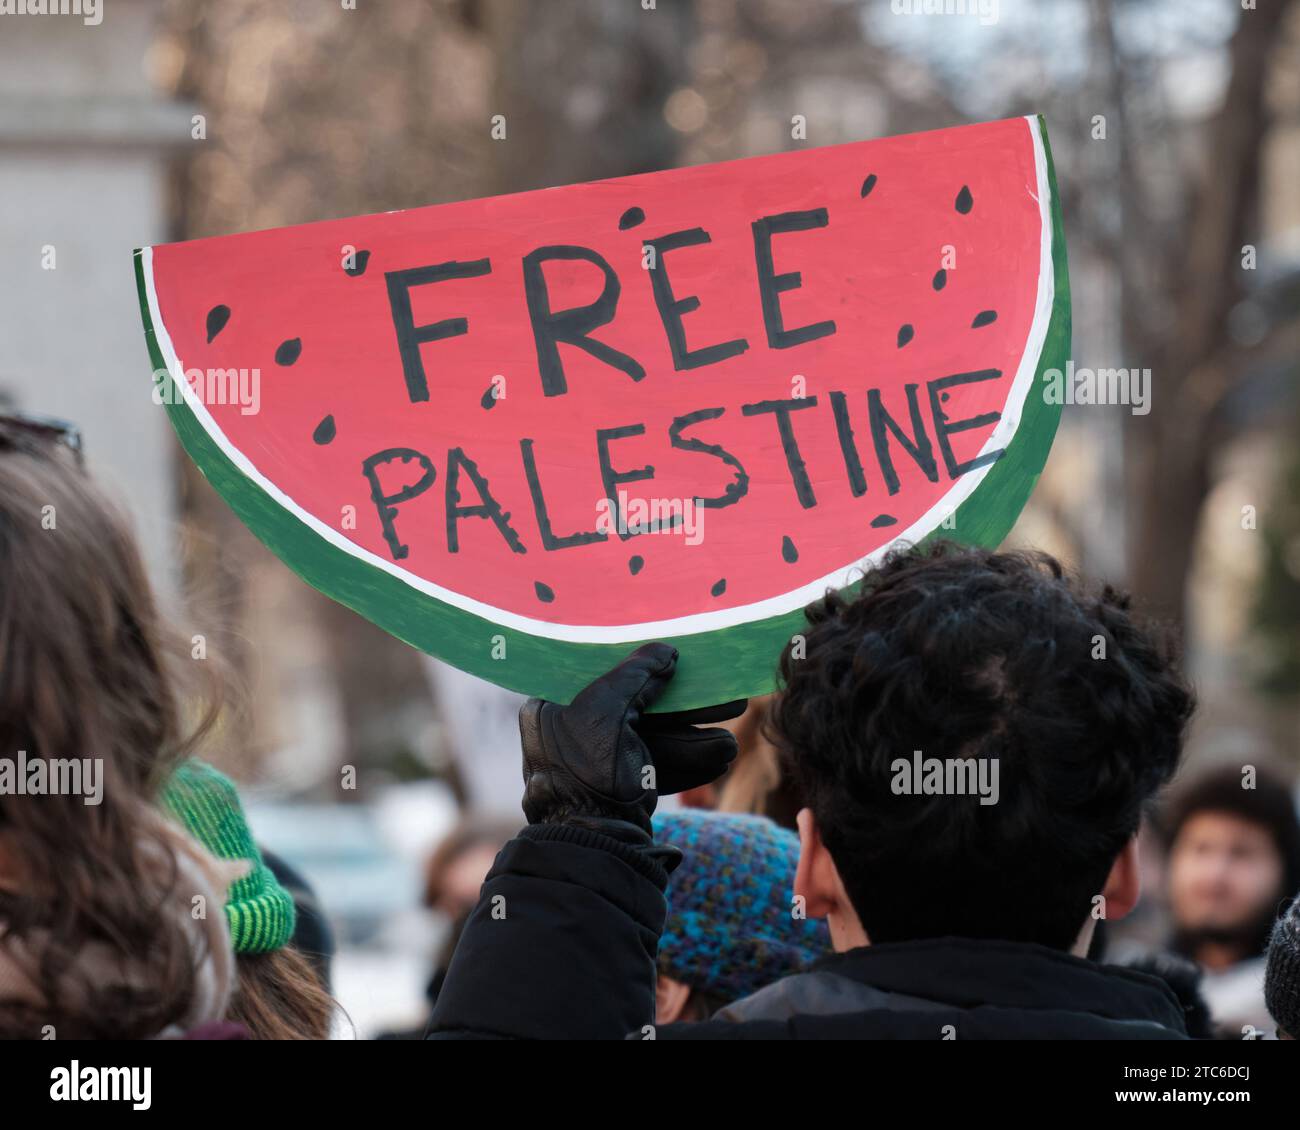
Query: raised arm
[[562, 943]]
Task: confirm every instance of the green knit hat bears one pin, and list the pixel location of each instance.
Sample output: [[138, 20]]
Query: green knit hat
[[259, 910]]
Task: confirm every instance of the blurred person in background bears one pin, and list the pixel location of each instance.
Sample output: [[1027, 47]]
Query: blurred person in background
[[1233, 860], [453, 877], [733, 924], [97, 940], [313, 937], [756, 782], [280, 994]]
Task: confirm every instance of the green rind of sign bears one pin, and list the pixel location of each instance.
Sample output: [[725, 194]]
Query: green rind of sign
[[987, 515], [720, 665]]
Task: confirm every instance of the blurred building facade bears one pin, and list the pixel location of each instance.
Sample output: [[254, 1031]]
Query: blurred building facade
[[85, 143]]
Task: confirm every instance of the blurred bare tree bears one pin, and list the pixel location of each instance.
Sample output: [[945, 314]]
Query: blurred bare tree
[[1187, 218], [1162, 200], [582, 88]]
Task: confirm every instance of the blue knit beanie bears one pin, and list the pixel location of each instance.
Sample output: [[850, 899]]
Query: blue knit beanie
[[730, 928]]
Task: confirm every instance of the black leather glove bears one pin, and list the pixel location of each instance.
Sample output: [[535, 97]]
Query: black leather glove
[[602, 758]]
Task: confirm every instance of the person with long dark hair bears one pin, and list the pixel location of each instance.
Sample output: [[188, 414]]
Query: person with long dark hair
[[98, 939]]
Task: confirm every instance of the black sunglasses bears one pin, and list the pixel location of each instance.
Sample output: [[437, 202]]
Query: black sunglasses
[[24, 431]]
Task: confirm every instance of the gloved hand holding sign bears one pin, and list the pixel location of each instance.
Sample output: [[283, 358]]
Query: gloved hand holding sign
[[603, 758]]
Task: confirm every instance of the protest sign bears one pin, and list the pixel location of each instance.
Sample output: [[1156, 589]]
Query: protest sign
[[526, 433]]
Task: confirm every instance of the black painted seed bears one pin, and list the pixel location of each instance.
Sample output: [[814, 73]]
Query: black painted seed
[[984, 318], [788, 550], [325, 431], [868, 185], [630, 219], [880, 521], [544, 592], [905, 333], [360, 261], [719, 586], [964, 201], [288, 351], [489, 400], [634, 564], [218, 316], [940, 279]]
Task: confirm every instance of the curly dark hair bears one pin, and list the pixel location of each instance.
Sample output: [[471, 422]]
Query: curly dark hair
[[968, 653]]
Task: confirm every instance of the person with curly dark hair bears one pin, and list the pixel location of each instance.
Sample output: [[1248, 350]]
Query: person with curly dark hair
[[999, 658], [975, 736]]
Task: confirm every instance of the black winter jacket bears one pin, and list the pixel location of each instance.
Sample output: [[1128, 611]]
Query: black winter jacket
[[562, 946]]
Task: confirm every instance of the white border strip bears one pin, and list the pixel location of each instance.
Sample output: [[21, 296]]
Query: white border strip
[[700, 621]]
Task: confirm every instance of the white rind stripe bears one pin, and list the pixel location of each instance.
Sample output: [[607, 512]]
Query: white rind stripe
[[700, 621]]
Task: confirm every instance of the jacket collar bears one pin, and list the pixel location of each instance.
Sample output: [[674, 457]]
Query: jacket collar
[[967, 972]]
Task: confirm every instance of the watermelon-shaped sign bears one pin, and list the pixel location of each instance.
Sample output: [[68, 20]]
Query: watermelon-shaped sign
[[527, 433]]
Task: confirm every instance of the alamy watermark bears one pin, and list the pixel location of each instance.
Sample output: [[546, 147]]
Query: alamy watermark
[[1098, 386], [90, 11], [631, 516], [948, 776], [78, 1083], [986, 11], [242, 387], [53, 776]]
